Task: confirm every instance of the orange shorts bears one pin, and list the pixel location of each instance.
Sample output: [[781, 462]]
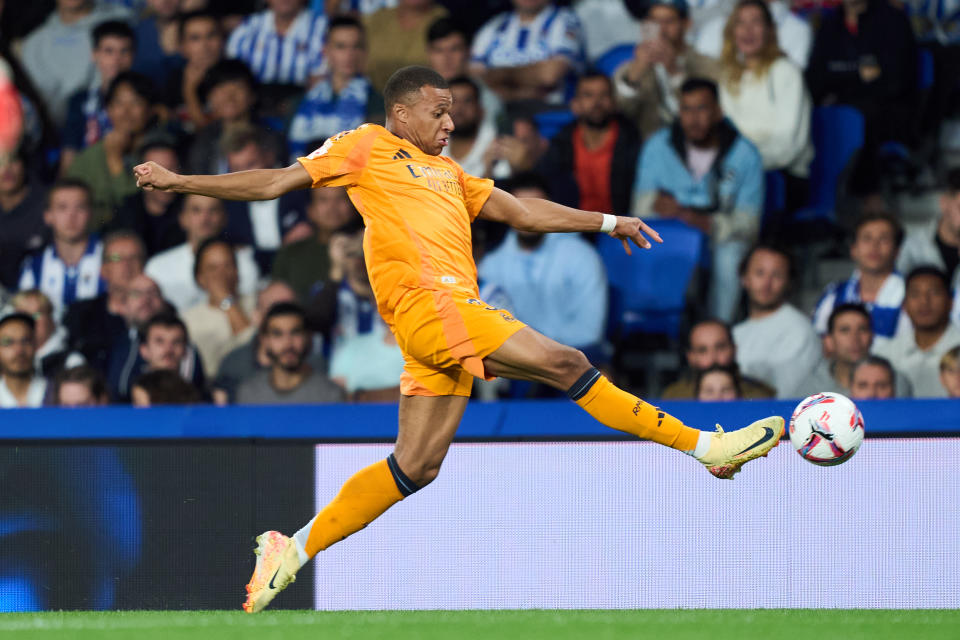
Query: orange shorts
[[444, 336]]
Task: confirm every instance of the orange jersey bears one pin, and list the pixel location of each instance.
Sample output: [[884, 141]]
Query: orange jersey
[[417, 210]]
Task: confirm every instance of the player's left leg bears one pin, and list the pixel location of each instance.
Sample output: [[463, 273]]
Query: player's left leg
[[529, 355]]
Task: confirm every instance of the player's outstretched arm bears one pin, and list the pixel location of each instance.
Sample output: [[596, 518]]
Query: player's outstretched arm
[[258, 184], [534, 214]]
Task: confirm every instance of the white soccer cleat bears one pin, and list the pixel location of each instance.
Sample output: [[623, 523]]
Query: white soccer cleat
[[730, 451], [277, 565]]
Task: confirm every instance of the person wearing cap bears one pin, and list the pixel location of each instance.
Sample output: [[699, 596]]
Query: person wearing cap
[[648, 85], [20, 386]]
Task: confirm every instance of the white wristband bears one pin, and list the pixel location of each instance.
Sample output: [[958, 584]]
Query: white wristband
[[609, 223]]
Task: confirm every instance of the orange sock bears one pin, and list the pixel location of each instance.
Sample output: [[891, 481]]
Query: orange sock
[[361, 500], [624, 411]]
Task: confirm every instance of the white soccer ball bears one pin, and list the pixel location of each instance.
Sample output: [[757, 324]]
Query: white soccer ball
[[826, 428]]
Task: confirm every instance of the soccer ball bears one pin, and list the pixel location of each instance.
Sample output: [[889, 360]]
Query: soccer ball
[[826, 429]]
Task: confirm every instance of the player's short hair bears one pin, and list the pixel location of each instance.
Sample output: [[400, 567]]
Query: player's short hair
[[466, 81], [32, 294], [346, 22], [283, 309], [700, 84], [83, 374], [953, 180], [729, 369], [688, 338], [167, 387], [408, 81], [880, 216], [444, 28], [225, 71], [950, 359], [199, 14], [876, 361], [777, 249], [17, 316], [848, 307], [69, 183], [165, 319], [928, 270], [208, 244], [113, 29], [527, 180], [141, 85]]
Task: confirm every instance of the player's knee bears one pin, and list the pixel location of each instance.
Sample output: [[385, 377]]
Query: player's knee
[[568, 361]]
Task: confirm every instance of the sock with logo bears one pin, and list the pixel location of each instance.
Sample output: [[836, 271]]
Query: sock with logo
[[623, 411], [361, 500]]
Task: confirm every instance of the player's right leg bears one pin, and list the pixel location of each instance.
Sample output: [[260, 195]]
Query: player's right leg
[[427, 427]]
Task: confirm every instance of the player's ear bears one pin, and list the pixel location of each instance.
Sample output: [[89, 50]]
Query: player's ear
[[401, 112]]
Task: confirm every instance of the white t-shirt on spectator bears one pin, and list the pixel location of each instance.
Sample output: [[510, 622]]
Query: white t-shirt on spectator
[[920, 366], [172, 270], [781, 349]]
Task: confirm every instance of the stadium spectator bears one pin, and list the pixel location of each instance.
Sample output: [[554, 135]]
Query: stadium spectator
[[364, 356], [710, 344], [474, 132], [704, 172], [20, 384], [345, 98], [165, 344], [57, 54], [282, 45], [591, 162], [81, 386], [865, 56], [50, 339], [142, 302], [290, 378], [872, 379], [448, 52], [201, 46], [93, 324], [221, 322], [163, 387], [200, 218], [87, 120], [398, 37], [776, 342], [917, 352], [557, 282], [306, 263], [648, 85], [950, 372], [763, 94], [718, 383], [153, 215], [794, 35], [876, 239], [21, 215], [12, 108], [68, 269], [516, 152], [107, 166], [230, 91], [529, 53], [158, 40]]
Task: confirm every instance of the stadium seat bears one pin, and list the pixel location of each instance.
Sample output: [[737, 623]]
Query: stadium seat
[[549, 123], [613, 58]]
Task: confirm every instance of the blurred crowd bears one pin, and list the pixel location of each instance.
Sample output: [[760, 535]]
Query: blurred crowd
[[709, 117]]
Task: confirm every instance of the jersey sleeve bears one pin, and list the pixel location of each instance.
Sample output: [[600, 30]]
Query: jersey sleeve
[[342, 158], [476, 192]]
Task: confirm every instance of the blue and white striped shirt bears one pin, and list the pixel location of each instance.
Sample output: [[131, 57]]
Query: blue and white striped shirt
[[885, 311], [274, 59], [61, 283], [323, 113]]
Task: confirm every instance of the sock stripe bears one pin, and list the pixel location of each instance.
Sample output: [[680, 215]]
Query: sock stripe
[[404, 484], [583, 384]]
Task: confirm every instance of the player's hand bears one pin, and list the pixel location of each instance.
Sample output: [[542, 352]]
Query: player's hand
[[636, 230], [152, 176]]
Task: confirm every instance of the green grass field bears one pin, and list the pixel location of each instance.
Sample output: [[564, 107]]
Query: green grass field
[[758, 624]]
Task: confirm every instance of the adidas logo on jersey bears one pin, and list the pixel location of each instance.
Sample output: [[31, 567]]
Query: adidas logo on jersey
[[402, 155]]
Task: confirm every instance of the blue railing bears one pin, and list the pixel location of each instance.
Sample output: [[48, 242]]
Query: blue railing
[[499, 420]]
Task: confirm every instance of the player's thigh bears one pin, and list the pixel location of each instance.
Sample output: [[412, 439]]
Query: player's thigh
[[427, 427], [530, 355]]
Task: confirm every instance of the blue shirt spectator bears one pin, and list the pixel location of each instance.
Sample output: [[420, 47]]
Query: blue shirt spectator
[[158, 40], [884, 309]]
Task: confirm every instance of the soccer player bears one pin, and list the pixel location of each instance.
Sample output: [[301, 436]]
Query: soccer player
[[418, 206]]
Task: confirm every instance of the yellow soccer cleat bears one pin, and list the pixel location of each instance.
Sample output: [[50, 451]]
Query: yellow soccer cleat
[[729, 451], [277, 565]]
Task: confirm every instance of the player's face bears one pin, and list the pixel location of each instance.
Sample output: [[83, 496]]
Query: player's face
[[766, 279], [202, 217], [76, 394], [466, 111], [345, 51], [448, 56], [16, 350], [709, 346], [927, 303], [699, 114], [851, 337], [750, 31], [717, 385], [874, 249], [285, 340], [44, 325], [165, 348], [871, 382], [329, 208], [202, 42], [128, 110], [427, 121], [950, 379], [593, 102], [113, 55], [68, 214]]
